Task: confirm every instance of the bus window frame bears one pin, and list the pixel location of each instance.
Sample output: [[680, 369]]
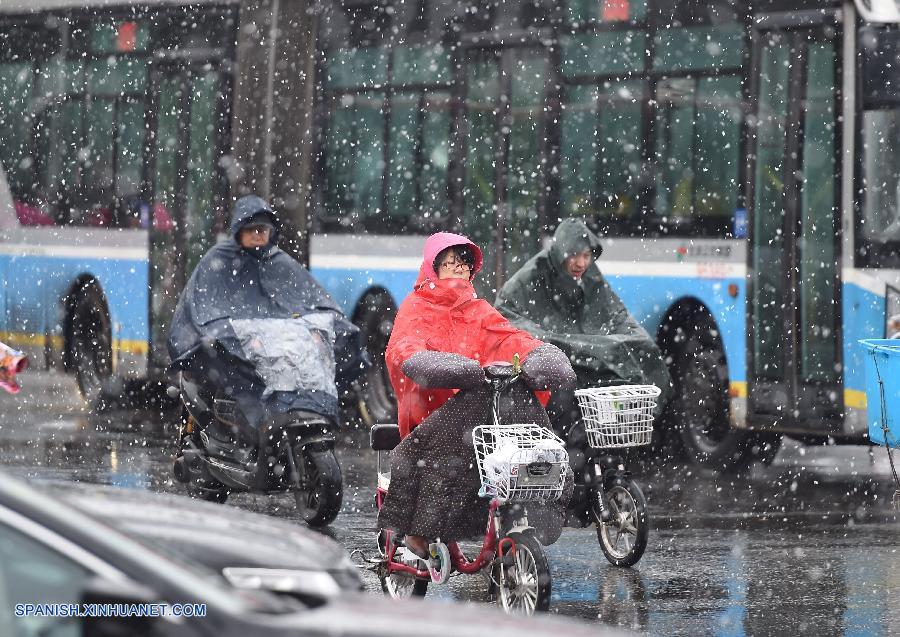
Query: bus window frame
[[868, 253]]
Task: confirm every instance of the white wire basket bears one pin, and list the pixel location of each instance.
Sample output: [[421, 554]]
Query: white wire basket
[[520, 463], [617, 417]]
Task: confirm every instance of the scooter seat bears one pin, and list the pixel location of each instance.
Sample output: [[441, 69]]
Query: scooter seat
[[384, 437]]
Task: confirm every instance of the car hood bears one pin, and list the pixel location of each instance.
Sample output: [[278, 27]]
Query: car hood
[[215, 535]]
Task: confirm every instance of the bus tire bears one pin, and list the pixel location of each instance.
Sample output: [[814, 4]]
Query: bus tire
[[90, 342], [376, 319], [700, 406]]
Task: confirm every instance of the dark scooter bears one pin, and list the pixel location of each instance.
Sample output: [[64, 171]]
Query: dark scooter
[[294, 452], [260, 427]]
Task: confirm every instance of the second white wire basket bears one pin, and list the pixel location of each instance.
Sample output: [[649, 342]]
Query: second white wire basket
[[520, 462], [619, 416]]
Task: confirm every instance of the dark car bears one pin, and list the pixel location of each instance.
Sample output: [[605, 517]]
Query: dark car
[[282, 557], [65, 573]]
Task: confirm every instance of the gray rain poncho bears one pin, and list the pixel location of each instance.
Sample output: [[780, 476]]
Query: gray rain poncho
[[587, 321], [230, 292]]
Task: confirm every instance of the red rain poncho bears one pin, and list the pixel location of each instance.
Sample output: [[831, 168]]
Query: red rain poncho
[[446, 316]]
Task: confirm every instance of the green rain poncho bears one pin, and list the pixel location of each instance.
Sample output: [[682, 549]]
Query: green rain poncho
[[586, 320]]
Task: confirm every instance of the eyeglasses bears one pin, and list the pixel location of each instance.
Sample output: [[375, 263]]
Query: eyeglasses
[[456, 263], [260, 229]]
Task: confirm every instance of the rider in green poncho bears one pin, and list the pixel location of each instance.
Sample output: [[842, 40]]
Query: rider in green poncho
[[560, 298]]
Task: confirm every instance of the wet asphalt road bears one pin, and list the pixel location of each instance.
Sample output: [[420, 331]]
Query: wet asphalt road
[[807, 546]]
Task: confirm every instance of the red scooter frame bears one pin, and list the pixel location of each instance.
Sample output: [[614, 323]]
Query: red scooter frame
[[489, 547]]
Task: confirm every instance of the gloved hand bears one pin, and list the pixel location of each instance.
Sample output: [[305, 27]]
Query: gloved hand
[[548, 368], [442, 370]]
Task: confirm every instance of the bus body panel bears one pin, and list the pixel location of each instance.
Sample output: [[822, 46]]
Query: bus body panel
[[48, 263], [350, 267]]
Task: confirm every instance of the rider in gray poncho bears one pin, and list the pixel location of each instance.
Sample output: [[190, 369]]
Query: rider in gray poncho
[[561, 298]]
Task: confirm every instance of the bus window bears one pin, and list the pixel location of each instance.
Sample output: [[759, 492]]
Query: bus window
[[418, 152], [697, 140], [879, 226], [354, 144], [24, 48], [131, 134], [16, 149], [482, 123], [699, 48], [418, 139], [58, 155], [524, 171], [769, 291], [602, 129], [881, 175], [615, 54], [698, 119], [435, 153], [354, 159], [818, 312], [201, 165]]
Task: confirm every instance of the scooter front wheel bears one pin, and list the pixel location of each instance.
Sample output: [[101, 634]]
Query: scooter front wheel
[[320, 496], [520, 580], [623, 538]]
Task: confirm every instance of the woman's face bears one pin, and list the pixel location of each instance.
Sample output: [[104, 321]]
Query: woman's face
[[451, 266]]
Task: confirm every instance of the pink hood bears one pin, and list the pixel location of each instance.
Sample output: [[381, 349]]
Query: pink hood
[[441, 241]]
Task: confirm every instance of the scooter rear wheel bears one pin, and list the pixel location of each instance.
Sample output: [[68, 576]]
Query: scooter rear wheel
[[623, 538], [319, 501]]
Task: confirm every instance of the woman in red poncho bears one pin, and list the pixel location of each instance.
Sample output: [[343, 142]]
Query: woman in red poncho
[[442, 337]]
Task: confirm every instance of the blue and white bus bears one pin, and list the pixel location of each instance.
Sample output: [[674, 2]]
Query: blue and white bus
[[736, 156], [738, 159]]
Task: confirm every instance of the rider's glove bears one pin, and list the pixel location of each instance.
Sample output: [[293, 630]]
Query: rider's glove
[[441, 370], [547, 367]]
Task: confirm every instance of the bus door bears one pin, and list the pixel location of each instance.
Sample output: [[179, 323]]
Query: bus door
[[188, 133], [503, 125], [794, 293]]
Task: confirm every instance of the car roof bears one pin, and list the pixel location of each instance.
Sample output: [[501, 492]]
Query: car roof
[[216, 535]]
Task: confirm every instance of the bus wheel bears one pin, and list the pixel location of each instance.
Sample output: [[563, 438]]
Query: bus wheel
[[376, 319], [90, 342], [700, 407]]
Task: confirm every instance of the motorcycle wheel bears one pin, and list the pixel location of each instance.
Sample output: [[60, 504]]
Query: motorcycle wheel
[[623, 538], [319, 501], [522, 587]]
